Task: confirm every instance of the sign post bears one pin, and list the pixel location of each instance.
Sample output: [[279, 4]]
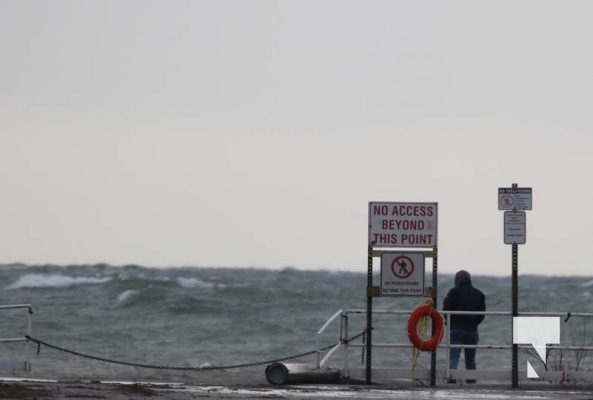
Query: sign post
[[394, 229], [515, 200], [369, 329]]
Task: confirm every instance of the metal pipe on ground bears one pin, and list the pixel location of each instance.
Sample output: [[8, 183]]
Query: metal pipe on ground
[[285, 374]]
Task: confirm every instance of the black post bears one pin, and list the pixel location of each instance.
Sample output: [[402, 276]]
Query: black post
[[369, 332], [433, 355], [515, 305], [515, 300]]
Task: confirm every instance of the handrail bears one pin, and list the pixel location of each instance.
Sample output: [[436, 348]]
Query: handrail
[[320, 331], [329, 354], [329, 321], [345, 313], [525, 313], [11, 306], [18, 339]]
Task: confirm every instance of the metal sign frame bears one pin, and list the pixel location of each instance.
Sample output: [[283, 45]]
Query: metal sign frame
[[430, 222]]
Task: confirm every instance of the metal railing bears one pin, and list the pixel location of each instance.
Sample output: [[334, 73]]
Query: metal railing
[[445, 344], [12, 365]]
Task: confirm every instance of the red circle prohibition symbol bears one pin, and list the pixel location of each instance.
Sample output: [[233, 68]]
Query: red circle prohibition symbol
[[402, 267]]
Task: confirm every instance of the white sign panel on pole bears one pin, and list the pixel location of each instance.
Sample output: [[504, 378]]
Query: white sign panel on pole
[[402, 274], [514, 198], [402, 224], [515, 227]]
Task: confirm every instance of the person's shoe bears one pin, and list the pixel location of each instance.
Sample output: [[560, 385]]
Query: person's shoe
[[470, 381], [451, 380]]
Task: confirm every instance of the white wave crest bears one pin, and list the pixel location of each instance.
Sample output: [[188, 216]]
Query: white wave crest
[[192, 283], [53, 281], [587, 284], [126, 295]]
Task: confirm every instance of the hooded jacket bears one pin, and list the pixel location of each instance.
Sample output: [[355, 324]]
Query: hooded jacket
[[465, 297]]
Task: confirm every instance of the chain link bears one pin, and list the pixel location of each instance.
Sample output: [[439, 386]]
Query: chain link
[[177, 368], [362, 351]]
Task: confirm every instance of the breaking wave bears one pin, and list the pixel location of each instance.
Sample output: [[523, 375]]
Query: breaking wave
[[587, 284], [53, 281], [192, 283], [125, 296]]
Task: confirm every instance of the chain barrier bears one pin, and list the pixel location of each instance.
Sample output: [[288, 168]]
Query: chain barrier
[[362, 351], [177, 368]]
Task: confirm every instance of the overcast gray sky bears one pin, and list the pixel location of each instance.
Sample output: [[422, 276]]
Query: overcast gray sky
[[254, 133]]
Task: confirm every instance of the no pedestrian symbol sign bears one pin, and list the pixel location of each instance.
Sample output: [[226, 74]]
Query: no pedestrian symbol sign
[[514, 198], [402, 274]]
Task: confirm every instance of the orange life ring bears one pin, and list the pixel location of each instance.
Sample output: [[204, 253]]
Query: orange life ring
[[437, 324]]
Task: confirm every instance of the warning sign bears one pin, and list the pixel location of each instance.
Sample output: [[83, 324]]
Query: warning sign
[[402, 224], [402, 266], [402, 274], [514, 227], [514, 198]]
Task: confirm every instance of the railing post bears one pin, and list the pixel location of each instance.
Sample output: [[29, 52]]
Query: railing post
[[448, 343], [28, 351], [369, 330], [318, 353], [433, 354], [346, 344]]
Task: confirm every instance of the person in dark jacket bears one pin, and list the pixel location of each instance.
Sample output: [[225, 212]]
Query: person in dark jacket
[[464, 328]]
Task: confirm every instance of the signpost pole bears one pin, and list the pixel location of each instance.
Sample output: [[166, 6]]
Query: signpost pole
[[369, 329], [515, 200], [515, 300], [433, 355]]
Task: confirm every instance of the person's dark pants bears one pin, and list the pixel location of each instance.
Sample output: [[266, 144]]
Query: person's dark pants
[[463, 337]]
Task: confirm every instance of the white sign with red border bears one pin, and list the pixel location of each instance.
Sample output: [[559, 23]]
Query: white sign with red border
[[402, 224], [402, 274]]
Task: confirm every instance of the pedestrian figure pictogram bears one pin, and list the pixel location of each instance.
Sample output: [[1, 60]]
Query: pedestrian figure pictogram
[[402, 267]]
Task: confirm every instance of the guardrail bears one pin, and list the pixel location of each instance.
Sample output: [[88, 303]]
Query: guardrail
[[12, 365], [444, 373]]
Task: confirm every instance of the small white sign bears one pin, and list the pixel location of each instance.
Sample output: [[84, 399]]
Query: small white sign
[[515, 227], [402, 224], [402, 274], [514, 198]]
